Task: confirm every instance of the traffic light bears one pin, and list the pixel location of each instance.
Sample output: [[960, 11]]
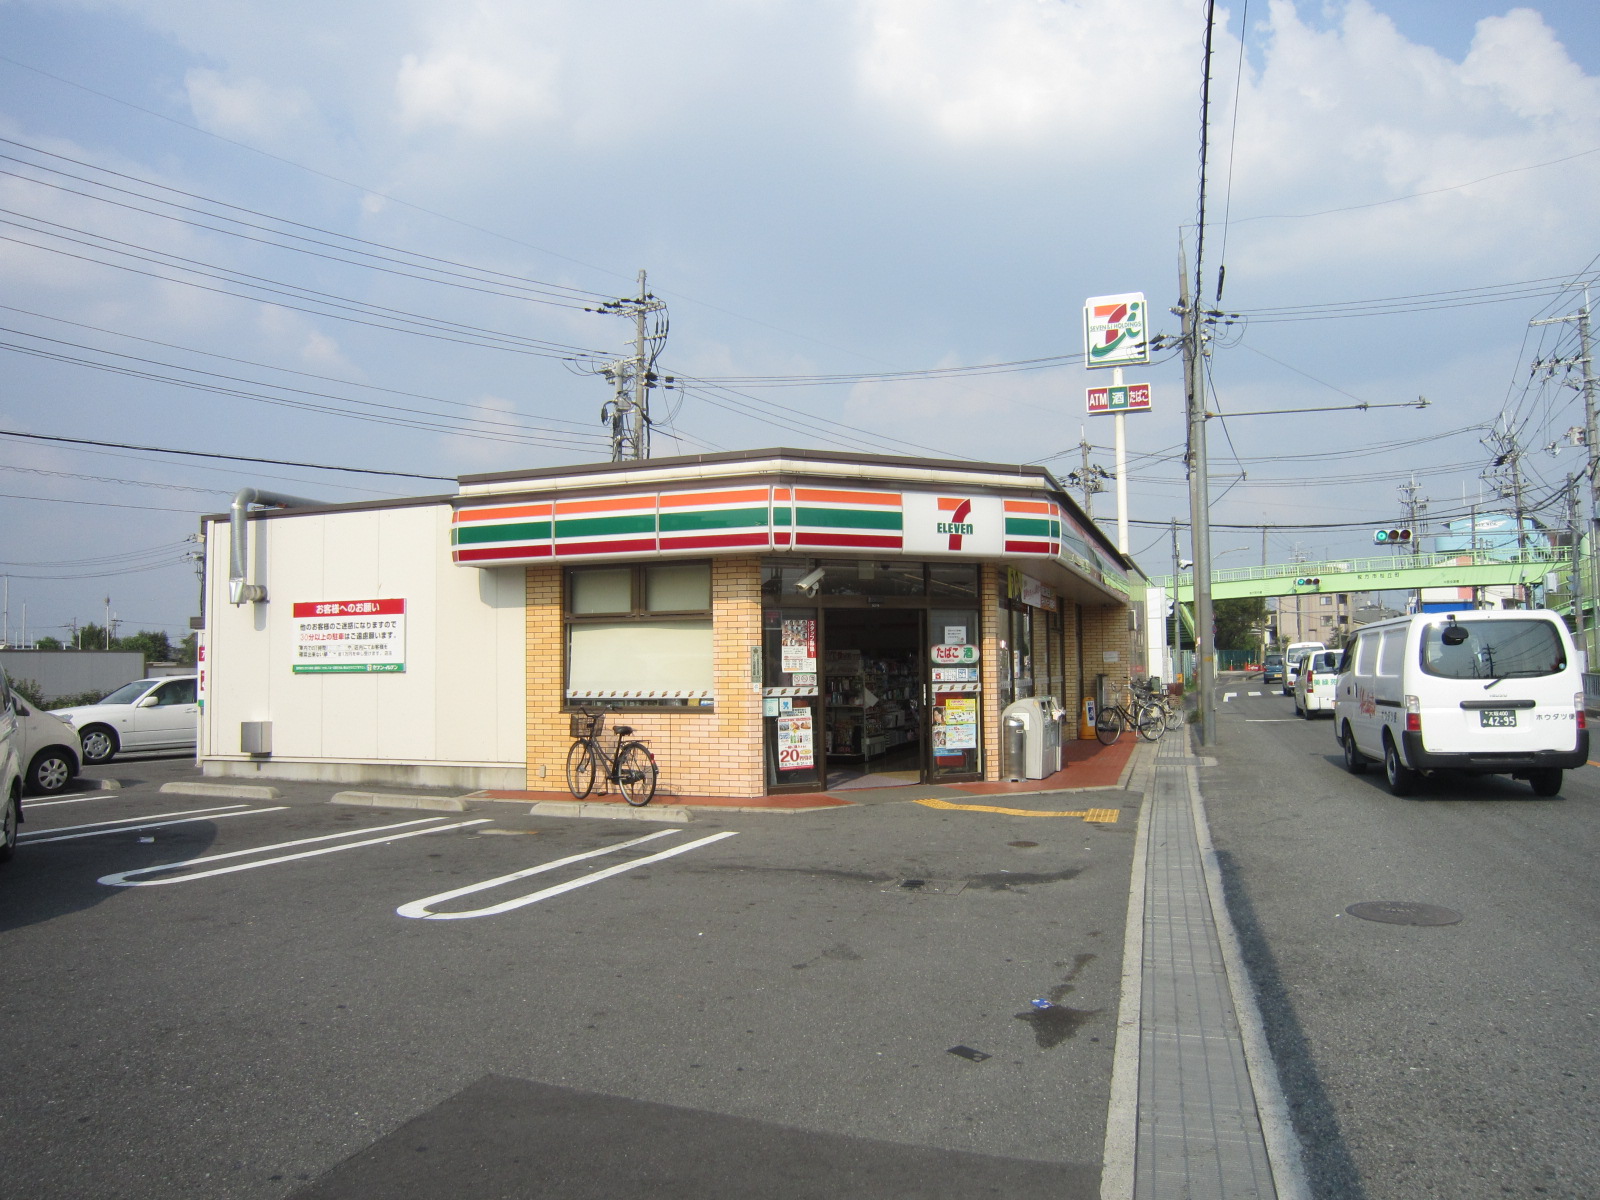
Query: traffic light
[[1391, 537], [1311, 581]]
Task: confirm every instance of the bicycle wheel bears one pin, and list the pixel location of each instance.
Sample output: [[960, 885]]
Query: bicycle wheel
[[580, 769], [1152, 722], [1108, 725], [1174, 715], [636, 774]]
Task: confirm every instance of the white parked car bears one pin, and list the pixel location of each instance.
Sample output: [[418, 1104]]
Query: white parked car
[[10, 768], [50, 750], [147, 714], [1317, 683]]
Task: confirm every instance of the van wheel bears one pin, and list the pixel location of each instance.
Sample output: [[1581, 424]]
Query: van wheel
[[1546, 781], [1354, 761], [1401, 778]]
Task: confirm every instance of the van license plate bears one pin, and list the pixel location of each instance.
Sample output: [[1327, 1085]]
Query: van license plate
[[1497, 716]]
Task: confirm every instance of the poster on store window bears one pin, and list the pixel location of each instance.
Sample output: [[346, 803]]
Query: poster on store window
[[794, 742], [961, 723], [799, 651]]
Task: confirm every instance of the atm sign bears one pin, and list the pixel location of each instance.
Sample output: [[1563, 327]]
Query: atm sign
[[1135, 397]]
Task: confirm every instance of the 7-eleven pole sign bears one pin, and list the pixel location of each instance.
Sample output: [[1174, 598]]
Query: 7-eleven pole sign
[[1115, 335], [1114, 331]]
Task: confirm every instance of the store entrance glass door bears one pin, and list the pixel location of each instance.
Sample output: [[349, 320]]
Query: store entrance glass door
[[872, 696], [790, 707], [955, 742]]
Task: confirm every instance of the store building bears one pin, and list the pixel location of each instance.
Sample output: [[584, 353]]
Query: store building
[[767, 621]]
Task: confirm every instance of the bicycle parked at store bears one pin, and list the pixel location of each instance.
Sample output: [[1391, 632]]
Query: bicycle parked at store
[[1147, 717], [1150, 691], [631, 766]]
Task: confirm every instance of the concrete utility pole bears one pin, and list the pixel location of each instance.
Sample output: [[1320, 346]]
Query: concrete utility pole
[[1205, 638], [628, 410], [1090, 478], [1585, 567]]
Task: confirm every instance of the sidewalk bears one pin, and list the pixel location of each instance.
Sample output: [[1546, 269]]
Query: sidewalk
[[1088, 764], [1196, 1110]]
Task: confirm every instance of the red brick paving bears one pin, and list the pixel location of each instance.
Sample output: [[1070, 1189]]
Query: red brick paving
[[1088, 765]]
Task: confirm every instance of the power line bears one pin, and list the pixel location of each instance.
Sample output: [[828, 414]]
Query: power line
[[553, 437], [372, 387], [277, 462]]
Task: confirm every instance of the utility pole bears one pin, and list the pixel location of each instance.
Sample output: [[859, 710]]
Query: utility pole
[[1177, 646], [1416, 511], [628, 410], [1205, 641], [1585, 564], [1090, 478], [1508, 481]]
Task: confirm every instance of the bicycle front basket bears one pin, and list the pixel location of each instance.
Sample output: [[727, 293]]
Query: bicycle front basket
[[585, 724]]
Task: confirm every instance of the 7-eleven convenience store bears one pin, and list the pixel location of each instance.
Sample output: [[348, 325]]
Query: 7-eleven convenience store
[[766, 621]]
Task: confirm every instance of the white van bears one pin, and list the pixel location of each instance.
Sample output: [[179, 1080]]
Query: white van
[[1486, 692], [1293, 655]]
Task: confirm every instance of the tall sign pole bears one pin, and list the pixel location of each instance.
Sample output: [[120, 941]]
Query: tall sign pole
[[1115, 334]]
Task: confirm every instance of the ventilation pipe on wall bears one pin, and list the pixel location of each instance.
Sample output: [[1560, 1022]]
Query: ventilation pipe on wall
[[240, 591]]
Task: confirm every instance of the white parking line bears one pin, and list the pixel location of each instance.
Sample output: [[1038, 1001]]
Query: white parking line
[[420, 908], [126, 878], [150, 821], [108, 795]]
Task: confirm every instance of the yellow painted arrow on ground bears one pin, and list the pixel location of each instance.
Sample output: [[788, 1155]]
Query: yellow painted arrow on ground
[[1106, 816]]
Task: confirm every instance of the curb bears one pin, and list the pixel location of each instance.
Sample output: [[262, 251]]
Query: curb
[[383, 800], [228, 791], [674, 814]]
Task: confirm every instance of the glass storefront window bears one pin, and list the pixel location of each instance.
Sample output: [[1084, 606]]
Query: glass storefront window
[[677, 587], [953, 581], [640, 636], [780, 578], [603, 591]]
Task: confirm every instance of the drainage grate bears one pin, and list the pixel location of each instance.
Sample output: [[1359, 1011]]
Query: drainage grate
[[932, 887], [1403, 912]]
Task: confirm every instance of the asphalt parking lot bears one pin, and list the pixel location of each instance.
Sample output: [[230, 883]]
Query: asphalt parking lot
[[226, 996]]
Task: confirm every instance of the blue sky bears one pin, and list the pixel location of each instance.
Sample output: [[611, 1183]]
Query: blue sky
[[824, 189]]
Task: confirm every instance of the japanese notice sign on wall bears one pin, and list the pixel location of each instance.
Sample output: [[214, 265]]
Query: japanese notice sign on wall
[[794, 741], [349, 637]]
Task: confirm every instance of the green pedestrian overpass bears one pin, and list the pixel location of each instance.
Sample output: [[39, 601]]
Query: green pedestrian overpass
[[1391, 573]]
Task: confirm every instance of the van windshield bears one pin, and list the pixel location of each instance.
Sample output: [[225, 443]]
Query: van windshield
[[1494, 650]]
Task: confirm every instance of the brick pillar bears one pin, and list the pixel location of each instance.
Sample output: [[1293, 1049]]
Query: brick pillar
[[991, 587]]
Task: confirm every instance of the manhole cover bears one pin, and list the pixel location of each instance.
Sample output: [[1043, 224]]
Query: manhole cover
[[1403, 912]]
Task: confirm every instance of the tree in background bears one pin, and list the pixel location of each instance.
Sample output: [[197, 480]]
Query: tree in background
[[1239, 622], [152, 643]]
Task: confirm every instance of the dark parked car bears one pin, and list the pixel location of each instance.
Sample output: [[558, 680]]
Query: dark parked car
[[1272, 669]]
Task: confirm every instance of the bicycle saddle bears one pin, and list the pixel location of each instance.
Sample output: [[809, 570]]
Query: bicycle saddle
[[623, 730]]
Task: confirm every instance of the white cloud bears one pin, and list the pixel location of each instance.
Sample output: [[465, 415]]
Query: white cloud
[[246, 108], [470, 91], [1352, 115], [1095, 72]]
